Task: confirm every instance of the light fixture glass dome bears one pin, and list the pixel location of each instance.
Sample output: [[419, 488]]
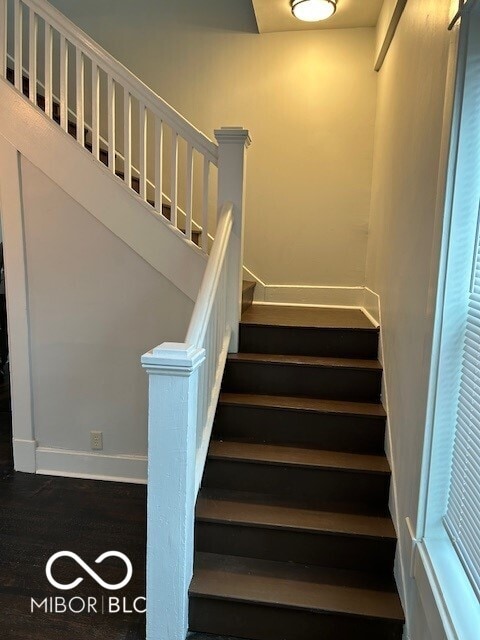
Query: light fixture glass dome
[[313, 10]]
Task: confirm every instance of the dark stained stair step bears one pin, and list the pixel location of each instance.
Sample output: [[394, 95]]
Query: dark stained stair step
[[308, 331], [319, 477], [266, 600], [233, 524], [357, 427], [355, 380]]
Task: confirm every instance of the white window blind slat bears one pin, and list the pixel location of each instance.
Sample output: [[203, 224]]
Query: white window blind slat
[[462, 518]]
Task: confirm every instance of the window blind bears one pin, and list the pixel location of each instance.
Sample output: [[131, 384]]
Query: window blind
[[462, 519]]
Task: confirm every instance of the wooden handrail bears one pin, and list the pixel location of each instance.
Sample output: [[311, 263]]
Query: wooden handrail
[[208, 289]]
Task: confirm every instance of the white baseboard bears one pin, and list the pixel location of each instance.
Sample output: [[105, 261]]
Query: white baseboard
[[371, 305], [24, 453], [95, 466]]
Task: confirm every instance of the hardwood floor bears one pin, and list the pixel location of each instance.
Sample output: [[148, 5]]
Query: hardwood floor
[[41, 515]]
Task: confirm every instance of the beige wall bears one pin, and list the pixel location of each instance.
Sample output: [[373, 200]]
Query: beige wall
[[308, 99], [94, 307], [403, 245]]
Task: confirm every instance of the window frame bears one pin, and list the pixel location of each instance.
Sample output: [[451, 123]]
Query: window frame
[[454, 595]]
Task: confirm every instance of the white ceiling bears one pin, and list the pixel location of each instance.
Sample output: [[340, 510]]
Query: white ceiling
[[276, 15]]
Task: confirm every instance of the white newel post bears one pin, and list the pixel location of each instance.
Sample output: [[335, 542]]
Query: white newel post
[[233, 143], [173, 386]]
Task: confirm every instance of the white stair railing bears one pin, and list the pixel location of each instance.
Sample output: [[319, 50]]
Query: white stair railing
[[126, 126], [185, 383]]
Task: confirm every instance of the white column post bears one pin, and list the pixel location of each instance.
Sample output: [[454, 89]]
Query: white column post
[[173, 388], [233, 142]]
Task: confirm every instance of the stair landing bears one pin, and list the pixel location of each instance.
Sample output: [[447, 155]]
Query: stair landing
[[313, 317]]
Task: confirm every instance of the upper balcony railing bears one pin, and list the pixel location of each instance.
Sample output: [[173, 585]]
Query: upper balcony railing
[[140, 138]]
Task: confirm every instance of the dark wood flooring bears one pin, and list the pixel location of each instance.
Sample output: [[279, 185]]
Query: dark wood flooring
[[40, 515]]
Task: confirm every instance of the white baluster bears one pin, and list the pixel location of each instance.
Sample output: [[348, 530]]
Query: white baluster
[[63, 83], [127, 136], [18, 46], [32, 55], [111, 123], [158, 164], [206, 177], [3, 37], [95, 111], [174, 179], [80, 95], [189, 205], [143, 150], [48, 69]]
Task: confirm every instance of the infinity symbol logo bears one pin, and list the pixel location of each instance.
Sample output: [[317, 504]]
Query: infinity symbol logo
[[91, 573]]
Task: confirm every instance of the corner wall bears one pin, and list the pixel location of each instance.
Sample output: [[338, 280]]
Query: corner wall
[[93, 306], [414, 96], [308, 99]]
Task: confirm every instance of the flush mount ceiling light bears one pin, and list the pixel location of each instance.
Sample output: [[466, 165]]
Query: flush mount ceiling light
[[313, 10]]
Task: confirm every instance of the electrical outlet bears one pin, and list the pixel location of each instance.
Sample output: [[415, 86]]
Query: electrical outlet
[[96, 440]]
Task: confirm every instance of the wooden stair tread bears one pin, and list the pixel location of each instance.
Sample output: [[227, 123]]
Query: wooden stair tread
[[317, 405], [307, 317], [297, 456], [288, 585], [233, 508], [312, 361]]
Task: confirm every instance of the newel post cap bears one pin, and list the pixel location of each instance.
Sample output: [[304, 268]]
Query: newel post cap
[[174, 358], [233, 135]]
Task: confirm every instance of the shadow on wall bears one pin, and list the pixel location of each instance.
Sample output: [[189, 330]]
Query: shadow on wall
[[222, 15]]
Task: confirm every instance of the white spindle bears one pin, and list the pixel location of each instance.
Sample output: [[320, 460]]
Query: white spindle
[[206, 178], [158, 164], [80, 95], [48, 69], [127, 136], [32, 55], [189, 206], [174, 179], [95, 111], [143, 150], [111, 123], [63, 83], [18, 46], [3, 37]]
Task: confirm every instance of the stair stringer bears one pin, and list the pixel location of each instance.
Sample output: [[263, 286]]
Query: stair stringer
[[100, 192]]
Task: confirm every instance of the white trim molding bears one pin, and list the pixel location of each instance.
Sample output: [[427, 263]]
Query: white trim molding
[[11, 211], [94, 466]]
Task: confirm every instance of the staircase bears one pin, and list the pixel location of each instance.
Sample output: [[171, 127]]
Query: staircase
[[293, 540], [293, 536]]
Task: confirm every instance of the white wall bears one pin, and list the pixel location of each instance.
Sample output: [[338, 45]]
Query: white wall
[[94, 307], [308, 99], [403, 247]]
